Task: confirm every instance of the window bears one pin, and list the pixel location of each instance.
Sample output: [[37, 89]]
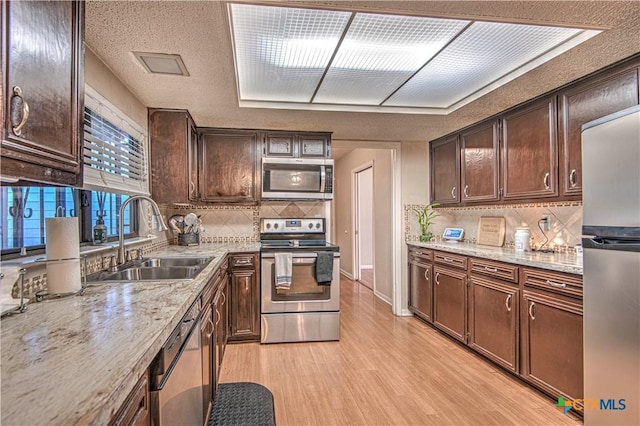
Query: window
[[28, 207]]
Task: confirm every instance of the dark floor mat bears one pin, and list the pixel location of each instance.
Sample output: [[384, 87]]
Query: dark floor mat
[[242, 403]]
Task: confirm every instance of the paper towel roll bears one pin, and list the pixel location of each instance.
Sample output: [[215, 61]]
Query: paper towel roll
[[62, 239], [63, 276]]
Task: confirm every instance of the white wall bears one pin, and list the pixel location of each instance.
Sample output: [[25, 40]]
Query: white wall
[[382, 218]]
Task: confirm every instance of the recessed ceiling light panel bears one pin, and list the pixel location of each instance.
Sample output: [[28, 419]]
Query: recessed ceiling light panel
[[162, 63], [379, 53], [316, 59], [485, 52], [281, 53]]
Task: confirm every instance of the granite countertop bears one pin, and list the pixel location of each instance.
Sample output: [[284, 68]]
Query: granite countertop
[[74, 360], [559, 262]]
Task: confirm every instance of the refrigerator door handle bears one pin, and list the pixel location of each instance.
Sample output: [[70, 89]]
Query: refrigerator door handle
[[601, 243]]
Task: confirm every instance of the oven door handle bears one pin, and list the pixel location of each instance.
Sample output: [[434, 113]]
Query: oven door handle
[[298, 256]]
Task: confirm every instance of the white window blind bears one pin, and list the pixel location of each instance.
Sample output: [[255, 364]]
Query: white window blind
[[115, 149]]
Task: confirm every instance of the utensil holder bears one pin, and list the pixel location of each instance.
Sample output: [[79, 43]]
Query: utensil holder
[[190, 239]]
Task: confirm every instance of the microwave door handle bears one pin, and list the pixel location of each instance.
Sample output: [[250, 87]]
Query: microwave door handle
[[323, 178]]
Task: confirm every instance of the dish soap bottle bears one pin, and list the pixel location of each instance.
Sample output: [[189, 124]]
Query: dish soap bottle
[[99, 231]]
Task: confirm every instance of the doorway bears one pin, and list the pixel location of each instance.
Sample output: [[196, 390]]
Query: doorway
[[363, 224]]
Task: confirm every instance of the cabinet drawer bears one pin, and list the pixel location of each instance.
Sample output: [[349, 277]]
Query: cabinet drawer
[[449, 259], [569, 285], [242, 261], [502, 271], [135, 410], [420, 254]]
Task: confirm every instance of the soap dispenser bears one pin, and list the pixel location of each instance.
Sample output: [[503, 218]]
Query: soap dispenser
[[99, 231]]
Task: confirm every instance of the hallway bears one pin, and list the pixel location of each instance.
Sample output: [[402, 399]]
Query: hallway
[[385, 370]]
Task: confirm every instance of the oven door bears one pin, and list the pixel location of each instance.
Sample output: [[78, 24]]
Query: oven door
[[305, 295]]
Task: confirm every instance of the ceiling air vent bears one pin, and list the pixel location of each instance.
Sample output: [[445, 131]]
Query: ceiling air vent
[[162, 63]]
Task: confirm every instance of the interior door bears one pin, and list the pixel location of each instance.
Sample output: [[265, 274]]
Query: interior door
[[364, 227]]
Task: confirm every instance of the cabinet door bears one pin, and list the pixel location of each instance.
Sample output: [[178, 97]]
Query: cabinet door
[[314, 145], [420, 290], [228, 166], [552, 344], [173, 147], [43, 91], [529, 152], [222, 323], [479, 163], [445, 171], [217, 340], [584, 103], [449, 302], [244, 305], [135, 409], [493, 321], [280, 144]]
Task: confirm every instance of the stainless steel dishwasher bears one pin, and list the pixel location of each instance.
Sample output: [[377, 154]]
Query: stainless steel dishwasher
[[176, 375]]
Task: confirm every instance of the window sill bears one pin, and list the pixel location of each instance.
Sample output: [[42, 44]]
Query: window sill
[[28, 261]]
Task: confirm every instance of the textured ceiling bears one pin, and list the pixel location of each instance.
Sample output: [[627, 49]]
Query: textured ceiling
[[199, 32]]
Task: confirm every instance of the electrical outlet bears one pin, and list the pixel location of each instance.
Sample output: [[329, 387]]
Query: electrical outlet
[[546, 222]]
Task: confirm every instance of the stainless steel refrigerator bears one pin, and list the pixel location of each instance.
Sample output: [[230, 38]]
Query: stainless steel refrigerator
[[611, 241]]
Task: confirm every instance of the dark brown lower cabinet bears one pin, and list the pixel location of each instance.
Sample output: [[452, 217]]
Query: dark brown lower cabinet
[[208, 368], [450, 301], [420, 290], [493, 321], [552, 344], [219, 307], [244, 300], [135, 409]]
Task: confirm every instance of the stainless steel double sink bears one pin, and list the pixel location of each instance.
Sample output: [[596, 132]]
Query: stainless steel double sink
[[154, 269]]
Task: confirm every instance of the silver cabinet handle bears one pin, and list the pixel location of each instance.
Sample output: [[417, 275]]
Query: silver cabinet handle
[[426, 277], [531, 305], [453, 192], [218, 316], [546, 181], [447, 259], [224, 298], [437, 280], [213, 326], [486, 268], [17, 129], [466, 191], [572, 178], [508, 302], [555, 284]]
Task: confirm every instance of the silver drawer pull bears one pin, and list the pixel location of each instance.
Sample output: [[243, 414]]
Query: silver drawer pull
[[531, 305], [448, 259], [487, 268], [437, 276], [555, 284], [508, 302], [243, 262], [572, 178]]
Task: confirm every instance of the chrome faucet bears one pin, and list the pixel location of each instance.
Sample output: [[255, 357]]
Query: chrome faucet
[[156, 211]]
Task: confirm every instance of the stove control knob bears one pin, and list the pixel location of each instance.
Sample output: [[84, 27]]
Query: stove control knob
[[268, 225], [318, 225], [275, 225], [310, 225]]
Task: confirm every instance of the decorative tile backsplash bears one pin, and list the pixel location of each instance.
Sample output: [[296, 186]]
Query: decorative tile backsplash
[[241, 224], [566, 222]]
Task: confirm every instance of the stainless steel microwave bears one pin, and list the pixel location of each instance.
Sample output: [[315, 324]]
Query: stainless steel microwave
[[297, 178]]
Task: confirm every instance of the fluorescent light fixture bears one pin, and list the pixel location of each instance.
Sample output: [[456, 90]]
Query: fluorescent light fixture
[[162, 63], [316, 59]]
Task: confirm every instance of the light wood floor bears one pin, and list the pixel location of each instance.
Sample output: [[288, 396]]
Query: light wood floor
[[385, 370]]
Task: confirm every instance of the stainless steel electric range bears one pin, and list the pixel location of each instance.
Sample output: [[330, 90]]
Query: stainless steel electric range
[[305, 310]]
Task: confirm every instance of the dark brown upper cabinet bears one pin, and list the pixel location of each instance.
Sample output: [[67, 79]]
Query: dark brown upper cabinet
[[174, 156], [529, 151], [42, 91], [445, 170], [479, 151], [297, 144], [229, 168], [585, 102]]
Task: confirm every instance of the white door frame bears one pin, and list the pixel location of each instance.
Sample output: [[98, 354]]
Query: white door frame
[[354, 220]]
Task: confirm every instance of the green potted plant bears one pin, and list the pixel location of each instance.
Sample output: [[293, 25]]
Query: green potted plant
[[425, 218]]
